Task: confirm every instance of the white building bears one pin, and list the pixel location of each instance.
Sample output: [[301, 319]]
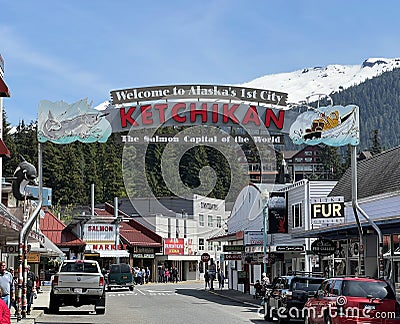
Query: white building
[[186, 226]]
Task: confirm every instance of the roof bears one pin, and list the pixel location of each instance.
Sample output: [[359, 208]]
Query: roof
[[4, 150], [4, 92], [377, 175], [132, 231], [55, 230], [136, 237]]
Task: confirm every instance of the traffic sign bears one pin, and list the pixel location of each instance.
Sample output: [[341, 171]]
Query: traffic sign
[[205, 257]]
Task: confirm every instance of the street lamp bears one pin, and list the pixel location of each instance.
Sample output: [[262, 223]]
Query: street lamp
[[265, 228]]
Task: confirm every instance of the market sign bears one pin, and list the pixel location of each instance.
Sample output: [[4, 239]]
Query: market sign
[[233, 248], [323, 247], [327, 210], [99, 232]]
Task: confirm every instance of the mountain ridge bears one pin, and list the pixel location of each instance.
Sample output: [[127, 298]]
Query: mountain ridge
[[326, 80]]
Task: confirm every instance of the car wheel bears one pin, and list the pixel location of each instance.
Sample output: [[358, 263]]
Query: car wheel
[[54, 307], [100, 311], [108, 288], [131, 288]]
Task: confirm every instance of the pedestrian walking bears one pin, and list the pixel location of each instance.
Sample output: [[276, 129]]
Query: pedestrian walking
[[31, 279], [15, 276], [221, 279], [174, 274], [5, 315], [206, 280], [6, 285], [147, 274]]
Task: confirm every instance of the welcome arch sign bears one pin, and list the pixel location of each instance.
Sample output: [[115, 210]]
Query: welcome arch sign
[[209, 115]]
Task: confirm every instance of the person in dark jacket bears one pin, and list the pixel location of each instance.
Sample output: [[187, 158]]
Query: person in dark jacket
[[30, 289]]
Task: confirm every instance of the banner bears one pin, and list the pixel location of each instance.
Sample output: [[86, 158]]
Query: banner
[[277, 213]]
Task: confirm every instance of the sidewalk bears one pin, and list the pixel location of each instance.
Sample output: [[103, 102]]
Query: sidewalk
[[237, 295], [38, 307]]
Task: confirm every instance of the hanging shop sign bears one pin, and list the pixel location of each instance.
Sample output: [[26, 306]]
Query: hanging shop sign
[[289, 248], [323, 247], [327, 210], [253, 238], [235, 256], [233, 248]]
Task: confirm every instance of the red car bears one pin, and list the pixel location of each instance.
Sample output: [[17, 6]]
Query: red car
[[353, 300]]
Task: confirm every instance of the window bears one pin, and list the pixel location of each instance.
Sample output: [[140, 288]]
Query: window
[[219, 246], [210, 221], [297, 217], [298, 159], [219, 221], [201, 244], [210, 246], [201, 220], [308, 153]]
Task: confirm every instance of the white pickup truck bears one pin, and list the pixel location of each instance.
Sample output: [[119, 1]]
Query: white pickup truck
[[77, 283]]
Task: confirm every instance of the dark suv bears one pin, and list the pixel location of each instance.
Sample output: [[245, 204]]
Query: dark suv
[[353, 300], [287, 295], [120, 275]]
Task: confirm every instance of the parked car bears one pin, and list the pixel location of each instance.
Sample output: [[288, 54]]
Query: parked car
[[286, 296], [119, 276], [353, 300]]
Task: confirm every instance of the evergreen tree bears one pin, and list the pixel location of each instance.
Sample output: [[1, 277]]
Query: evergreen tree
[[376, 143]]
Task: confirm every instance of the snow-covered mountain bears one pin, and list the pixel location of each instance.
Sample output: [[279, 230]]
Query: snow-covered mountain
[[323, 80], [317, 80]]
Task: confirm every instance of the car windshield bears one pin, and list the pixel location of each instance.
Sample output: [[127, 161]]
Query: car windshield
[[306, 284], [376, 289], [79, 267]]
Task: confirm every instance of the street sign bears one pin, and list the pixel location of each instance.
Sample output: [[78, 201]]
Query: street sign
[[205, 257], [323, 247]]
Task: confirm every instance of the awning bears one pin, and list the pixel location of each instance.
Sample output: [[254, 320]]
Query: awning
[[50, 249], [3, 149], [113, 253], [4, 92]]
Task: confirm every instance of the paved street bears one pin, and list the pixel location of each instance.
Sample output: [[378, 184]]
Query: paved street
[[185, 302]]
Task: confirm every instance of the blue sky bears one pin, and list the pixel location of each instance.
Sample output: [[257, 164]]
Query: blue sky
[[69, 50]]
